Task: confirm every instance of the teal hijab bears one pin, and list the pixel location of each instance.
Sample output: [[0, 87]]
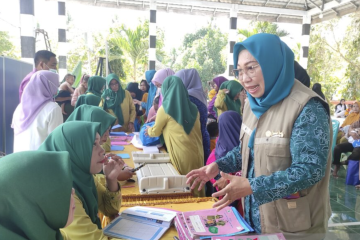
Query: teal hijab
[[177, 104], [35, 190], [234, 88], [149, 75], [114, 99], [93, 114], [95, 85], [77, 138], [276, 60], [88, 99]]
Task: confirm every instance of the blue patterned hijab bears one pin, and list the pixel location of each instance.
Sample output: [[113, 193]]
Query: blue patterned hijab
[[277, 64], [152, 90], [276, 60]]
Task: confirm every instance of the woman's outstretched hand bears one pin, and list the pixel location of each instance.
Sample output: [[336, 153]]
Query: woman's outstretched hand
[[202, 175], [237, 188]]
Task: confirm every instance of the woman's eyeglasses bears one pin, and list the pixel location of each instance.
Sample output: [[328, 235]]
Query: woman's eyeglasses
[[249, 71]]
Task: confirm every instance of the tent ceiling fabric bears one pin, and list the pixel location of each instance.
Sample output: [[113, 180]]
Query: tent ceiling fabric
[[289, 11]]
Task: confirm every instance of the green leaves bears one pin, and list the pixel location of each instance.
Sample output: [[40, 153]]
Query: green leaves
[[203, 51], [262, 27], [334, 58], [7, 49], [135, 45]]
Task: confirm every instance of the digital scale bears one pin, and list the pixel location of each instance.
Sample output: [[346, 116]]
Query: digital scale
[[158, 175]]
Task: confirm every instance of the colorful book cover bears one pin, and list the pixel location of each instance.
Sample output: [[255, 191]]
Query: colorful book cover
[[120, 143], [182, 228], [121, 138], [210, 222], [275, 236], [179, 230]]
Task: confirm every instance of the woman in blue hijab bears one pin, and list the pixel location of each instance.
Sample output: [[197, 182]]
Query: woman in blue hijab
[[284, 150], [152, 90]]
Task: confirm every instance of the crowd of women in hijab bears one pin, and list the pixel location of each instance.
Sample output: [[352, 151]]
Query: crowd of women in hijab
[[259, 141]]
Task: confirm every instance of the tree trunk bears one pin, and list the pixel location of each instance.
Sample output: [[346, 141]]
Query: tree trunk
[[134, 69]]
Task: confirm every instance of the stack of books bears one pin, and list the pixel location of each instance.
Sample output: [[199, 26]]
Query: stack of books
[[274, 236], [209, 223]]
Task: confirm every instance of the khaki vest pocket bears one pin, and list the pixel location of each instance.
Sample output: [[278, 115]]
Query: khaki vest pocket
[[278, 158], [293, 215]]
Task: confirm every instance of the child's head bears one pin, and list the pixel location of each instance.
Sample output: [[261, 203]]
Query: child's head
[[84, 80], [144, 86], [70, 78], [211, 84], [156, 103], [213, 129]]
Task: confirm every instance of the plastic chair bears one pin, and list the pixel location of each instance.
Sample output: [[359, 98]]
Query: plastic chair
[[335, 126]]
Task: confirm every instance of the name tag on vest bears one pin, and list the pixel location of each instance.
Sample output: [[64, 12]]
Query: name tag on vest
[[291, 205]]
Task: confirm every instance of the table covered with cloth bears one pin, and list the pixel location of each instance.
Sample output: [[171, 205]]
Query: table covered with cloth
[[131, 197]]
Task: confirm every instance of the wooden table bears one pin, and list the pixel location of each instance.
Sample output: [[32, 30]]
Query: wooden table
[[130, 190]]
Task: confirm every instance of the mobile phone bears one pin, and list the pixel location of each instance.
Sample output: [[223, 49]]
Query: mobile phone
[[135, 169]]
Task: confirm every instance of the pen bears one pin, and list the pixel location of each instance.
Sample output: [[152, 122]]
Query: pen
[[176, 238]]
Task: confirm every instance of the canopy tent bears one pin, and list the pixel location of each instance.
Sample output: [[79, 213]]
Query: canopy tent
[[289, 11], [305, 12]]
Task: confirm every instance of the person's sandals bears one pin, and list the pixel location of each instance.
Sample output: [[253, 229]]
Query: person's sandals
[[335, 171]]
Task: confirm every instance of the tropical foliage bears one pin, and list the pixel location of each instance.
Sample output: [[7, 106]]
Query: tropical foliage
[[334, 58], [134, 43], [261, 27], [6, 47], [204, 51]]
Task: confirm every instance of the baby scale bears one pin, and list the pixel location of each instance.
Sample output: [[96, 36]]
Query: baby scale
[[158, 176]]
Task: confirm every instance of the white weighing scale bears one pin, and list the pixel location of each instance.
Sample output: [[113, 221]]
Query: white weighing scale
[[158, 176]]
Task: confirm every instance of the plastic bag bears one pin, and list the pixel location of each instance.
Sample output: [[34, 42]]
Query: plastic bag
[[146, 140], [352, 175]]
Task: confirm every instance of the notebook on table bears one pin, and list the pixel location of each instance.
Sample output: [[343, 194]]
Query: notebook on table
[[140, 223]]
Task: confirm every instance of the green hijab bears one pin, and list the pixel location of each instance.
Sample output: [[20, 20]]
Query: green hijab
[[177, 104], [114, 99], [78, 138], [95, 85], [88, 99], [234, 88], [35, 190], [93, 114]]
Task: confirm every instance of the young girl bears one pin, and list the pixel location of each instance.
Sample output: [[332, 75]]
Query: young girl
[[66, 90], [213, 130], [81, 89], [153, 110]]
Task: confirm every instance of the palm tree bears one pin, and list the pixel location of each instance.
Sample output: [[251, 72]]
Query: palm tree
[[134, 43], [296, 51], [263, 27]]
